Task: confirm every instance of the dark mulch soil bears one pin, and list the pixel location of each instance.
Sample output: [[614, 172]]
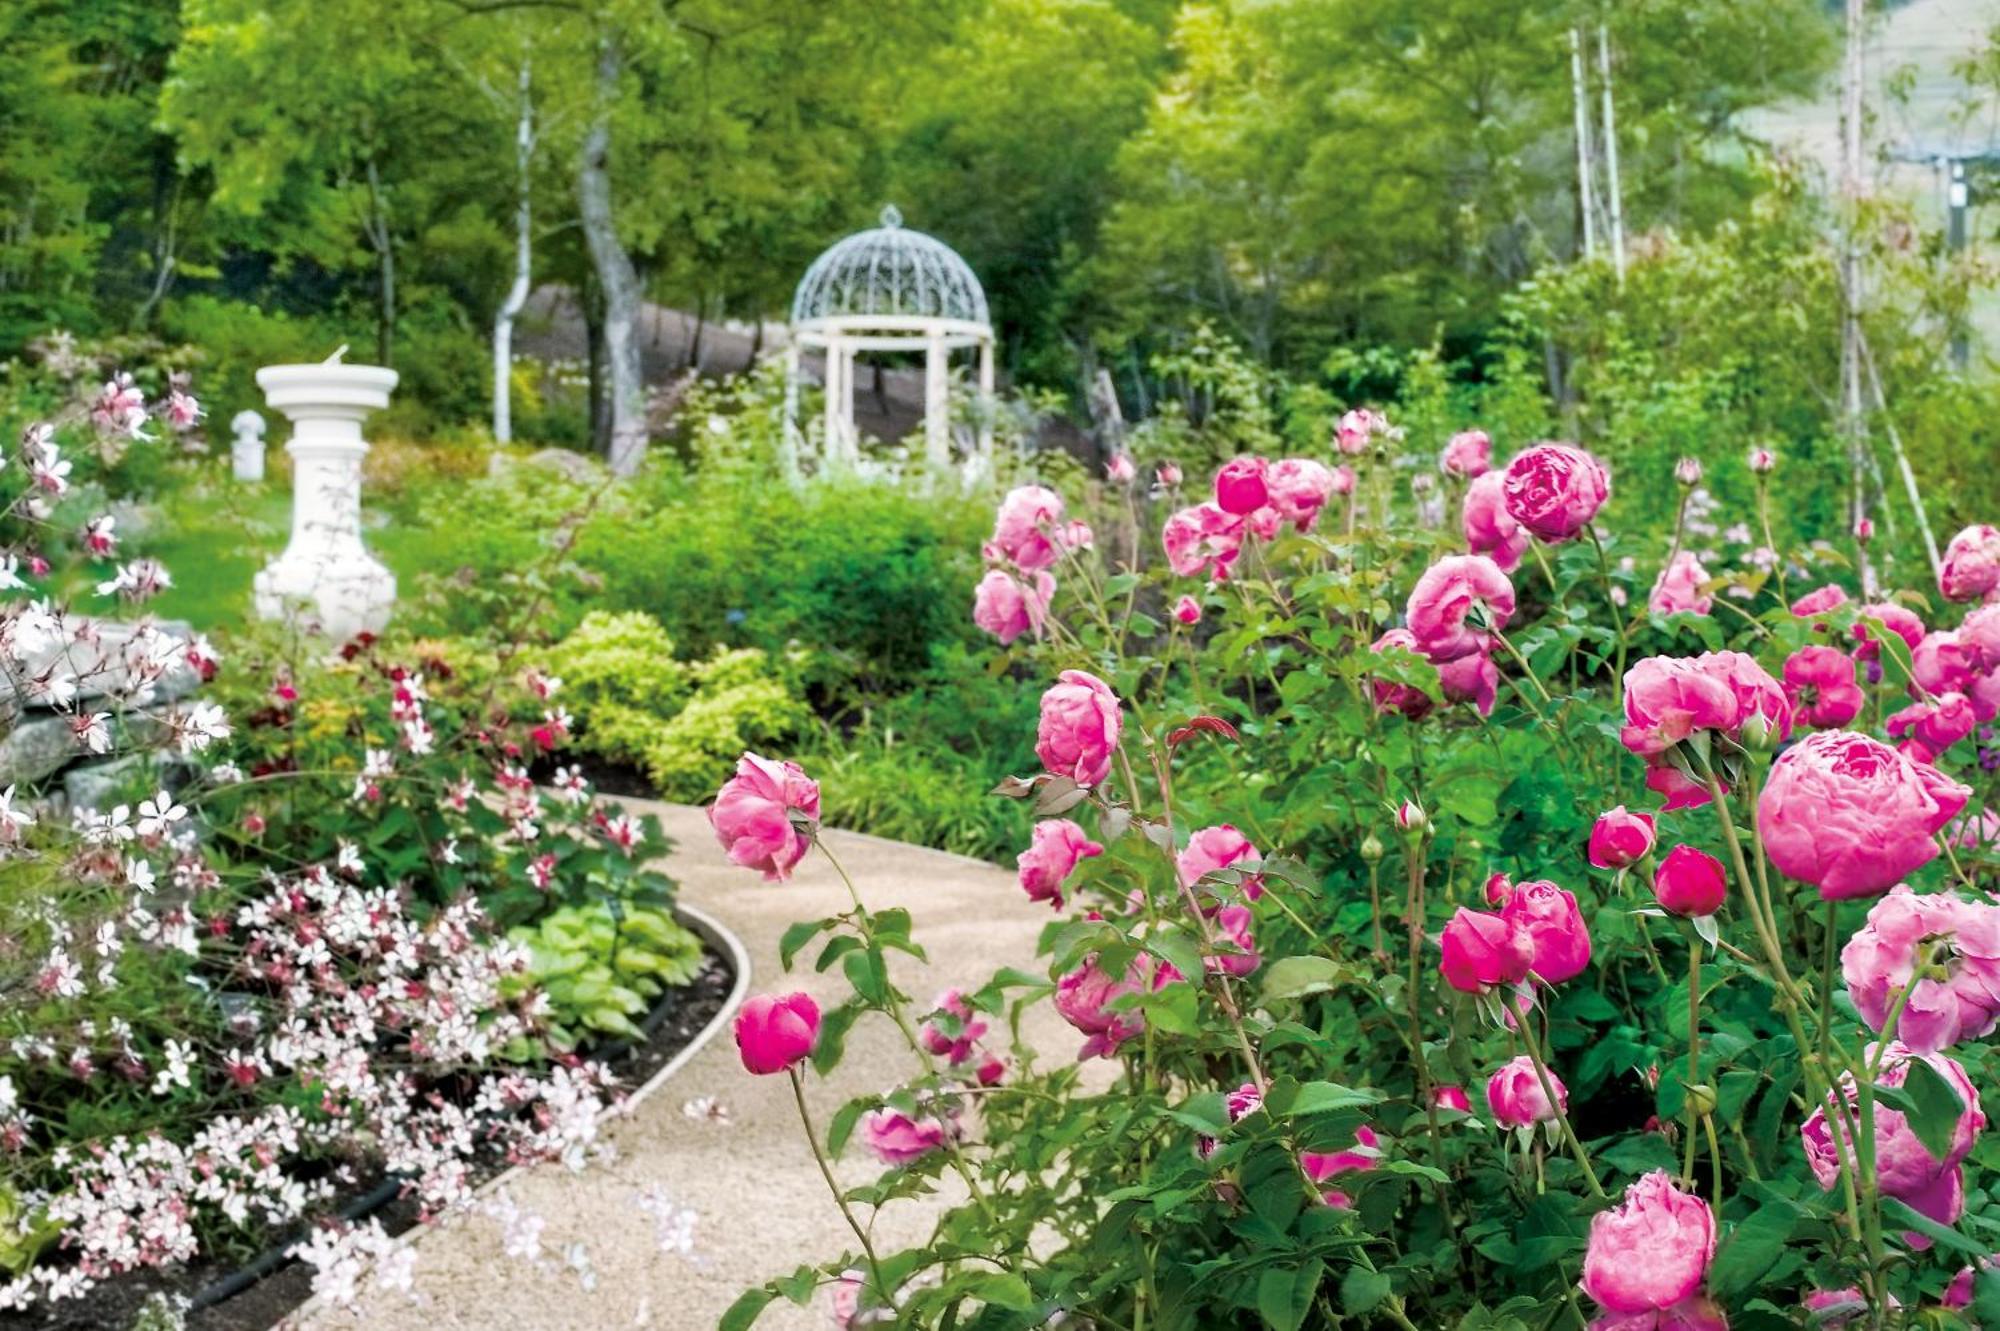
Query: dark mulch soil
[[113, 1304]]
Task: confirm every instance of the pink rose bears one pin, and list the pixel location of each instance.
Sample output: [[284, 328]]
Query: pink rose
[[1120, 470], [1936, 725], [1880, 959], [1980, 633], [1904, 1168], [1472, 679], [1445, 596], [1079, 728], [1554, 924], [953, 1031], [752, 815], [1619, 840], [1483, 951], [1025, 528], [1943, 662], [1356, 428], [1971, 567], [1299, 489], [1497, 889], [1668, 698], [1677, 788], [1820, 685], [1236, 946], [1220, 847], [1899, 621], [1390, 696], [1690, 882], [1554, 490], [1320, 1166], [1850, 815], [897, 1139], [1451, 1097], [1679, 587], [1076, 535], [1187, 610], [774, 1033], [1820, 601], [1169, 474], [1082, 998], [1650, 1251], [1489, 529], [1469, 454], [1055, 848], [1514, 1094], [1343, 480], [1006, 608], [1240, 486], [1202, 541]]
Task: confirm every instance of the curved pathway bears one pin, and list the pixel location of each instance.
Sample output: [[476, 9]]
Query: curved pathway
[[762, 1207]]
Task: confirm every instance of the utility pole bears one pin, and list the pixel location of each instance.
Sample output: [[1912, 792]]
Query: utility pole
[[1616, 209], [1585, 196]]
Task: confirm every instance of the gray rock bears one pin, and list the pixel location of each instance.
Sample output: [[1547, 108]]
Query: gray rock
[[100, 785], [36, 748], [99, 667]]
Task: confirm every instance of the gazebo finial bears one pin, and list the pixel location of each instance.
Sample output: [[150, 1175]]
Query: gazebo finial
[[892, 216]]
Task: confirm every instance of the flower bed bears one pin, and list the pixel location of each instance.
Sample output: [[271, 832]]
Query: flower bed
[[1512, 924]]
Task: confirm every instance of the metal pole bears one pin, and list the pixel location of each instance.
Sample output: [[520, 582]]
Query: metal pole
[[1617, 212]]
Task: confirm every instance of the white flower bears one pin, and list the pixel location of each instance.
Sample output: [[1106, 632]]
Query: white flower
[[180, 1057], [12, 820], [200, 726], [158, 815], [93, 730]]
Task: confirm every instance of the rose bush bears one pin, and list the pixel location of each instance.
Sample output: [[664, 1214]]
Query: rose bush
[[1636, 837]]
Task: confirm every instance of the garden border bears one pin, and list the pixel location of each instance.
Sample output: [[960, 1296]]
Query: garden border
[[724, 940]]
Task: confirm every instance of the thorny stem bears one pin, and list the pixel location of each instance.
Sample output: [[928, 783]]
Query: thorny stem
[[826, 1172], [1534, 1045]]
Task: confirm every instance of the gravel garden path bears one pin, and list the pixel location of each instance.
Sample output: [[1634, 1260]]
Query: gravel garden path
[[763, 1209]]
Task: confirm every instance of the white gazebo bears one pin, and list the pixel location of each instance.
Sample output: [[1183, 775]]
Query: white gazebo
[[889, 289]]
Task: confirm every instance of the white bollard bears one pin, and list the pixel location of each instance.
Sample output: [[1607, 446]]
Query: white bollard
[[246, 455], [326, 574]]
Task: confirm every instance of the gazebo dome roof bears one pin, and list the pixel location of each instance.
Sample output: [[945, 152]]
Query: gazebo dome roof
[[889, 270]]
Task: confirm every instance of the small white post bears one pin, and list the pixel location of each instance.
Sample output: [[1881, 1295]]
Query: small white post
[[850, 437], [937, 401], [788, 428], [830, 446], [986, 405], [326, 568], [246, 454]]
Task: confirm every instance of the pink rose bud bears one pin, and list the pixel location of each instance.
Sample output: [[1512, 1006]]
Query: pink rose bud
[[1554, 925], [774, 1033], [1055, 848], [1187, 610], [897, 1139], [1971, 566], [1451, 1097], [1121, 470], [1515, 1095], [992, 1070], [1864, 530], [1619, 840], [1650, 1251], [1554, 490], [1469, 454], [1690, 883], [1762, 460], [1483, 952], [1079, 728], [1688, 472], [1410, 817], [1850, 815], [1220, 847], [1498, 888], [1008, 606], [1169, 474], [1243, 1101], [1356, 428], [752, 815], [1240, 486]]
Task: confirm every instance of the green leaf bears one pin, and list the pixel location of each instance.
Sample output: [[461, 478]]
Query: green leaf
[[1004, 1291], [1362, 1290], [744, 1313], [868, 975], [1295, 977], [1284, 1296], [1900, 1215], [1324, 1097], [842, 1125], [796, 937], [1751, 1249], [1937, 1107]]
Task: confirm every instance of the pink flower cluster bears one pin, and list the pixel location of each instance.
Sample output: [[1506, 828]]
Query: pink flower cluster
[[1030, 534], [1668, 699], [1252, 497], [1454, 612]]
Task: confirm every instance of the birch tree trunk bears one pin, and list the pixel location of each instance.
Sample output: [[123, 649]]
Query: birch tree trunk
[[517, 294], [1853, 427], [615, 274]]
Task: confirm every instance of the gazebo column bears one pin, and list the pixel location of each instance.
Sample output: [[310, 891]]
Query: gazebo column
[[835, 355], [850, 439], [788, 434], [937, 400], [986, 398]]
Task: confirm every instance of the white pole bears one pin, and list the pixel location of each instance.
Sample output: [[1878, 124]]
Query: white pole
[[986, 405], [850, 437], [830, 445], [1585, 197], [1853, 427], [1611, 154], [788, 427], [937, 402]]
